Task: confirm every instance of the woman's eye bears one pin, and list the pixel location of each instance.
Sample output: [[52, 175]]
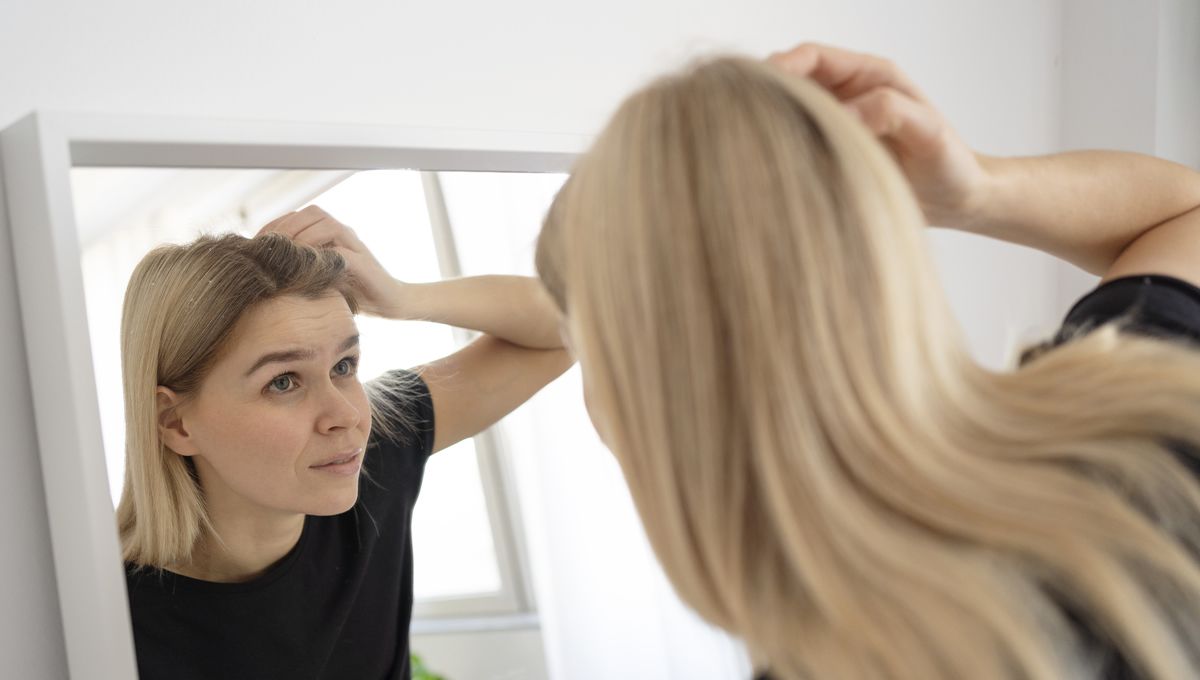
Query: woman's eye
[[281, 383], [347, 365]]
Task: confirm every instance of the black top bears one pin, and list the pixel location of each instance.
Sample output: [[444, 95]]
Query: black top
[[336, 606], [1154, 305], [1149, 304]]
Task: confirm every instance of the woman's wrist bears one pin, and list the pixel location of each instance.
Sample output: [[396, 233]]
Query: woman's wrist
[[394, 303], [983, 209]]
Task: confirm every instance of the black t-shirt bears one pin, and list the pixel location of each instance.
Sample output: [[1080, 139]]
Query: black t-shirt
[[337, 606], [1154, 305], [1151, 304]]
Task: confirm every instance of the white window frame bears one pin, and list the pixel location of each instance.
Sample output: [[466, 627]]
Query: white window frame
[[514, 599], [38, 152]]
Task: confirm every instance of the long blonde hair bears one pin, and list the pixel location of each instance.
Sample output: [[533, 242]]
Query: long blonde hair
[[821, 467], [181, 306]]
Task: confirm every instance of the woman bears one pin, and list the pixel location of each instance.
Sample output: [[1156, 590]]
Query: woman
[[821, 467], [253, 546]]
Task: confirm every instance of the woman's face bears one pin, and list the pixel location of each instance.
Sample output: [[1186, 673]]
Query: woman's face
[[280, 403]]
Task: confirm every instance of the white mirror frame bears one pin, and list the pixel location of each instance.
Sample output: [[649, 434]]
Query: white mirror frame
[[38, 153]]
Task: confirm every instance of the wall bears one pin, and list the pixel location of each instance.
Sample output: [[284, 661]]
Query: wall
[[994, 68], [1178, 76]]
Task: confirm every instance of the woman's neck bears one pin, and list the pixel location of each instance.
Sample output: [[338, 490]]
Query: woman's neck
[[245, 541], [244, 551]]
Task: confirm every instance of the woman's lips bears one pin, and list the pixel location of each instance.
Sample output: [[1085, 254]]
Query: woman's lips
[[343, 465]]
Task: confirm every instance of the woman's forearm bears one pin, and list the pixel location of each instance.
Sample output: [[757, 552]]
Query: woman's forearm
[[512, 308], [1084, 207]]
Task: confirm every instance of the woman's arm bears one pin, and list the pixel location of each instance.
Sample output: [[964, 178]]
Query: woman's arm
[[512, 308], [520, 352], [1088, 208], [1171, 248], [1091, 207]]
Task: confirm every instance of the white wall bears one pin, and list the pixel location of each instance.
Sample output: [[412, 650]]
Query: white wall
[[1178, 70], [537, 65]]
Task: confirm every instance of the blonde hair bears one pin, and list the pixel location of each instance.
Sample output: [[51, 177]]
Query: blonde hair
[[181, 306], [820, 466]]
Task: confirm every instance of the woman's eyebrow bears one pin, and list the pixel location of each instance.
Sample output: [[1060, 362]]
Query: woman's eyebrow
[[297, 355]]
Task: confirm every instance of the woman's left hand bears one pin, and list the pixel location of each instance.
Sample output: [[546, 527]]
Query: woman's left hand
[[377, 290]]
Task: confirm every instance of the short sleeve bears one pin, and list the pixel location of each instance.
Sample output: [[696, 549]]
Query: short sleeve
[[1151, 304], [402, 398], [420, 406], [401, 442]]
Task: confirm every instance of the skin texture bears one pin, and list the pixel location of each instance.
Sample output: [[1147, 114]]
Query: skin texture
[[255, 438]]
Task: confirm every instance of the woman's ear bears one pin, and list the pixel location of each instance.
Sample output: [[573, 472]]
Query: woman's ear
[[170, 422]]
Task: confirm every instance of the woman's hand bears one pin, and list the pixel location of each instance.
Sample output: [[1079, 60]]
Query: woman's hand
[[515, 309], [948, 178], [377, 290]]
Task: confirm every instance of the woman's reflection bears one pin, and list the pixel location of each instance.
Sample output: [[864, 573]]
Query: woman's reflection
[[265, 519]]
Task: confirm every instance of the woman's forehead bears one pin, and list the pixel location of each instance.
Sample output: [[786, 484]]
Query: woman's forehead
[[294, 322]]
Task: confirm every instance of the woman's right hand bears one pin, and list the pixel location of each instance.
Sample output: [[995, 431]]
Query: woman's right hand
[[948, 178], [377, 290]]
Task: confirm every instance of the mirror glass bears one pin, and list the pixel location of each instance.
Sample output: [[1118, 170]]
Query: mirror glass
[[422, 227]]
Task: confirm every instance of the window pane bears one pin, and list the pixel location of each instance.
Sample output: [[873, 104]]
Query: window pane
[[497, 216], [452, 539]]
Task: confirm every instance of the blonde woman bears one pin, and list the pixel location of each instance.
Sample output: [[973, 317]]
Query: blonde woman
[[265, 519], [821, 467]]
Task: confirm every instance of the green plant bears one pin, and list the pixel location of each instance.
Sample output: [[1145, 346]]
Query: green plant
[[420, 672]]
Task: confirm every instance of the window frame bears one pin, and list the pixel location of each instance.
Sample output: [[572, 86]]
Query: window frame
[[514, 598], [38, 153]]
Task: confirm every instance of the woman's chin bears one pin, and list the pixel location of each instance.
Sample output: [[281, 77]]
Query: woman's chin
[[335, 505]]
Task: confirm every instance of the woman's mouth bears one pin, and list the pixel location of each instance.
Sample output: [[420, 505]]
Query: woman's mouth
[[343, 465]]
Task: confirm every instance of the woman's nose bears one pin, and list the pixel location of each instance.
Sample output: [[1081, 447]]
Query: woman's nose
[[338, 410]]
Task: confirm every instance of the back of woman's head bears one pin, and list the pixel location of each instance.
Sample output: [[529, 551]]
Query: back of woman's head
[[181, 306], [743, 212], [820, 466]]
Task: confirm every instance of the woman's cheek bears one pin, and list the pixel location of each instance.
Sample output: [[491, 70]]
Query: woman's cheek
[[272, 431]]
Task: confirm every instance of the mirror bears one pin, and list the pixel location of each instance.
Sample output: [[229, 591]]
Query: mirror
[[422, 226]]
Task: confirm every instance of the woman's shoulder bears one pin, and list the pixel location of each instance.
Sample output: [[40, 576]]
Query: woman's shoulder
[[1150, 304], [402, 414], [1154, 305]]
